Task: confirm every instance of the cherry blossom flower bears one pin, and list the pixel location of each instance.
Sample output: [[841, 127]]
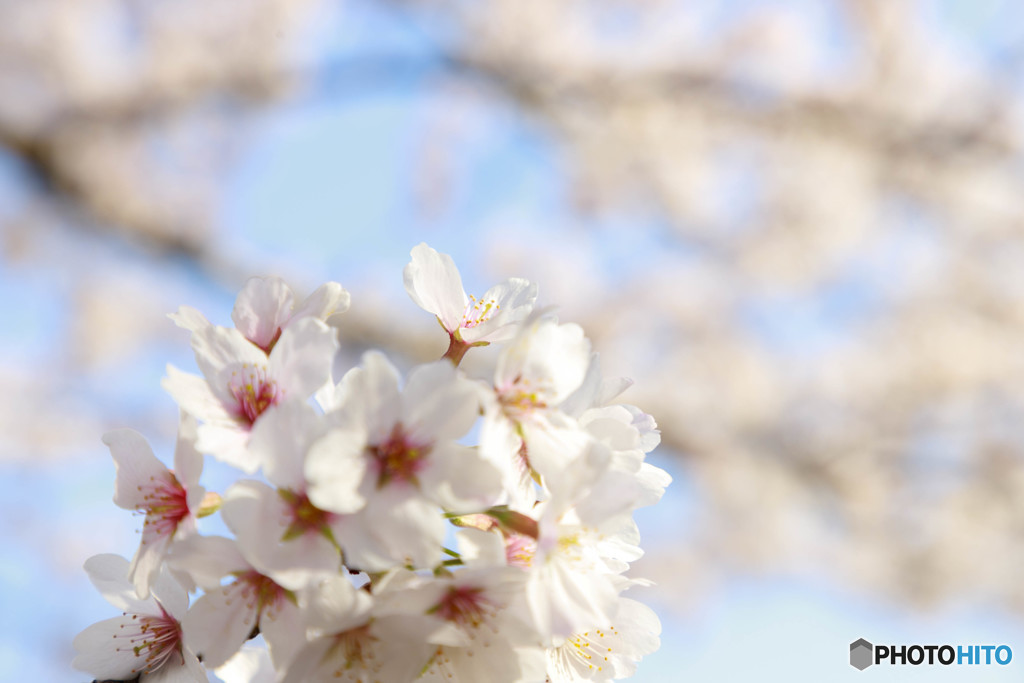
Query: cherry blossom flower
[[628, 434], [222, 619], [478, 624], [434, 284], [412, 464], [146, 641], [585, 538], [170, 500], [351, 643], [266, 307], [524, 430], [241, 383], [610, 651]]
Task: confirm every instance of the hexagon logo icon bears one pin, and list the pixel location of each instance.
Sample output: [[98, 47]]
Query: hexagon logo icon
[[861, 654]]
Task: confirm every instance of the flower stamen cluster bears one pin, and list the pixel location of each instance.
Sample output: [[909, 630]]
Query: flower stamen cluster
[[152, 638], [164, 504], [253, 392], [398, 458]]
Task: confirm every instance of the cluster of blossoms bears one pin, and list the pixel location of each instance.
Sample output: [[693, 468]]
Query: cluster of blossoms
[[371, 539]]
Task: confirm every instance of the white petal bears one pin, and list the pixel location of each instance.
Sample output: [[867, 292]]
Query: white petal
[[369, 395], [554, 442], [109, 573], [135, 466], [334, 468], [219, 347], [188, 462], [396, 527], [207, 559], [147, 561], [229, 443], [618, 542], [438, 403], [308, 662], [638, 634], [194, 395], [459, 480], [189, 319], [301, 360], [564, 353], [586, 394], [563, 600], [433, 283], [262, 308], [611, 388], [645, 424], [500, 444], [653, 480], [170, 594], [577, 478], [99, 654], [191, 671], [284, 631], [329, 299], [251, 664], [612, 426], [336, 605], [480, 548], [218, 623], [279, 441]]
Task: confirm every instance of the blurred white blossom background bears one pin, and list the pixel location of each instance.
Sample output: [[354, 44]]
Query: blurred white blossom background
[[797, 225]]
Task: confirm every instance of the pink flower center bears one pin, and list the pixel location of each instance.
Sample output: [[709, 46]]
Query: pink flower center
[[165, 504], [304, 517], [153, 639], [254, 392], [260, 593], [465, 606], [398, 458]]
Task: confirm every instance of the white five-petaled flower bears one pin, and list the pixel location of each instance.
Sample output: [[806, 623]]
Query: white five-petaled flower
[[585, 536], [524, 429], [480, 626], [266, 307], [220, 621], [402, 444], [611, 651], [241, 383], [146, 641], [351, 643], [434, 284], [170, 500]]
